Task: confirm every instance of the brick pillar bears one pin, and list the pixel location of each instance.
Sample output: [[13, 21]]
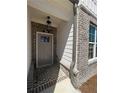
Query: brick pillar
[[82, 46]]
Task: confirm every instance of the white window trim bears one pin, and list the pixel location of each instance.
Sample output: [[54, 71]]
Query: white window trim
[[94, 59]]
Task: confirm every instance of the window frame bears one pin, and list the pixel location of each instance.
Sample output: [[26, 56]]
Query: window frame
[[94, 59]]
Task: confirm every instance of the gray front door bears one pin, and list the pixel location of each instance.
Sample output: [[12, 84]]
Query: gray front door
[[44, 49]]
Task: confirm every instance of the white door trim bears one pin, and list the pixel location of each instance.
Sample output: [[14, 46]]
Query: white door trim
[[43, 33]]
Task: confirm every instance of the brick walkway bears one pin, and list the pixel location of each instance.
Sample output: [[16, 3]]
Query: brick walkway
[[64, 86], [44, 78]]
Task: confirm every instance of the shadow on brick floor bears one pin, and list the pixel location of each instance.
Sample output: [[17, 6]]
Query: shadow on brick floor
[[44, 78]]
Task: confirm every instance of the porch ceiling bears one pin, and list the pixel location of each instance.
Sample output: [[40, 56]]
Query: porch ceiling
[[41, 17], [62, 9]]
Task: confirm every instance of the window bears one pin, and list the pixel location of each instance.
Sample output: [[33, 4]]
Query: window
[[92, 42]]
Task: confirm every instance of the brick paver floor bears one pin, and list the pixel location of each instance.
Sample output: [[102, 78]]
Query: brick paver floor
[[63, 86], [46, 77]]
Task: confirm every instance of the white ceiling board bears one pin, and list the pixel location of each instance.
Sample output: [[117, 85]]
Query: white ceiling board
[[61, 9], [41, 17]]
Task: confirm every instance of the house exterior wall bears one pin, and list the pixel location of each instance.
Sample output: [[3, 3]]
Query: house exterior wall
[[90, 5], [85, 70], [65, 42]]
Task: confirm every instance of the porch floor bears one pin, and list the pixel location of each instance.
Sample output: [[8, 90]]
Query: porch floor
[[64, 86], [44, 78]]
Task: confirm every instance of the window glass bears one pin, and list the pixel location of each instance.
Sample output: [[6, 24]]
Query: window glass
[[92, 34], [90, 51], [92, 41]]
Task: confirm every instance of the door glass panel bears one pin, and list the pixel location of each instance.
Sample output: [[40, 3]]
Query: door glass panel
[[44, 39]]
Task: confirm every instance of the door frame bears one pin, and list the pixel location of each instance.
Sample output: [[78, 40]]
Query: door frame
[[43, 33]]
